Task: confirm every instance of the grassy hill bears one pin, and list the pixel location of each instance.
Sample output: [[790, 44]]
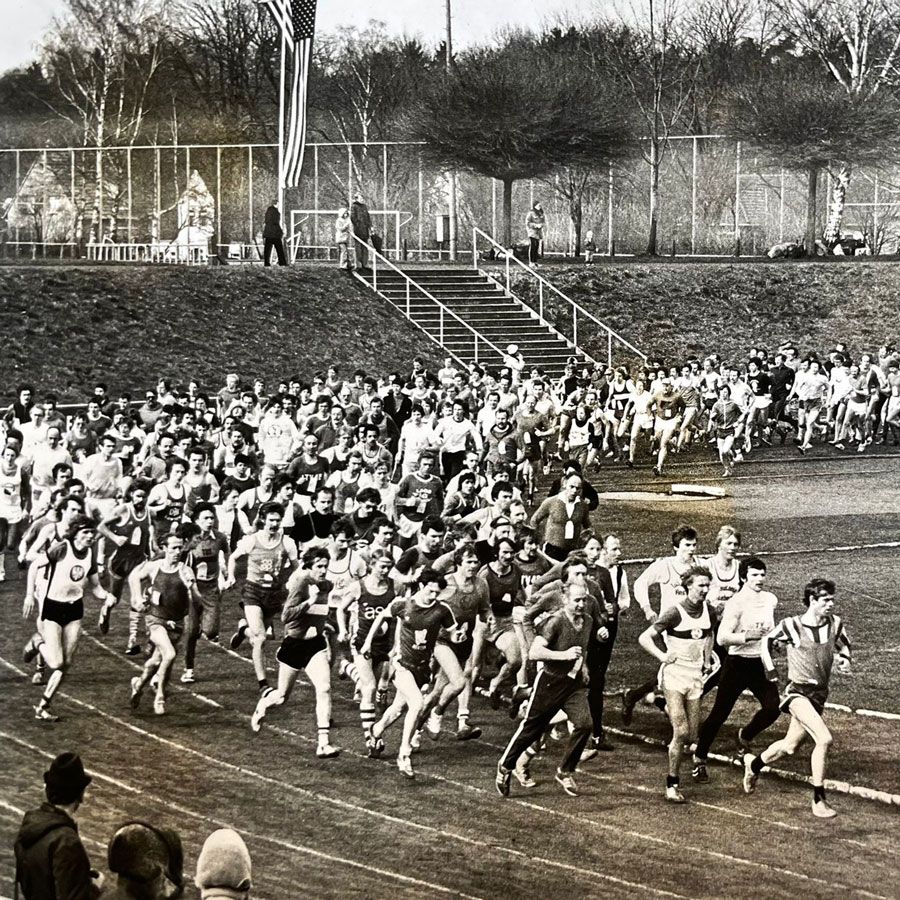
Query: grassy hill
[[65, 326], [675, 309]]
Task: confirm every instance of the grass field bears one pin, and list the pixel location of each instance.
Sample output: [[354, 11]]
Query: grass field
[[672, 309], [66, 326], [354, 827]]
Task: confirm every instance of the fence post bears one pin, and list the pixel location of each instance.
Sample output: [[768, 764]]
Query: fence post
[[737, 200], [508, 251], [407, 298], [541, 298], [694, 198], [441, 334], [375, 273], [575, 325], [609, 347]]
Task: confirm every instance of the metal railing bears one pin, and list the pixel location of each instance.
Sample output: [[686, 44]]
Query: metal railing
[[415, 291], [543, 285], [183, 254]]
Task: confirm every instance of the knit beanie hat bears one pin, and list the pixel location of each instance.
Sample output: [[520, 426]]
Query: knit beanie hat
[[223, 867]]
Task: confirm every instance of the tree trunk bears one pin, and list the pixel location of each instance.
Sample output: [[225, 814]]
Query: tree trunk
[[507, 212], [654, 197], [836, 209], [812, 185], [95, 235], [575, 214]]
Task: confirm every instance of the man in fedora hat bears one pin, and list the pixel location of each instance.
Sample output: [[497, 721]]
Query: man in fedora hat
[[51, 861]]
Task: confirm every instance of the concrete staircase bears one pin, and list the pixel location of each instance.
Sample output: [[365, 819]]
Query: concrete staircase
[[470, 316]]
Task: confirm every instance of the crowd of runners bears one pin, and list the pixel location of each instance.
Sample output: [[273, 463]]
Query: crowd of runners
[[388, 531]]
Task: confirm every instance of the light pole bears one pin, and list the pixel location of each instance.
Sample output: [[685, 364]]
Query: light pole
[[449, 59]]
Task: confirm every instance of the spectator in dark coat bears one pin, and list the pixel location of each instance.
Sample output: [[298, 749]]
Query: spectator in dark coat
[[362, 228], [273, 236], [51, 861]]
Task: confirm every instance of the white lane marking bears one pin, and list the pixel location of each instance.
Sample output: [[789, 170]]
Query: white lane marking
[[140, 668], [396, 820]]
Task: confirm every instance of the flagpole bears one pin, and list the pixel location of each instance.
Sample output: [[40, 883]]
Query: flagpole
[[281, 188], [449, 64]]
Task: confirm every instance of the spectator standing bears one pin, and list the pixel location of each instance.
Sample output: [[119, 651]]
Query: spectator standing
[[362, 227], [273, 236], [534, 226], [343, 231], [51, 861]]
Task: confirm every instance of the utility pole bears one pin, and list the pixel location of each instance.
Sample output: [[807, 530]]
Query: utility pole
[[449, 62]]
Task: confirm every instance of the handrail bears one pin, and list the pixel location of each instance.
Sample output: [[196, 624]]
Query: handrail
[[375, 255], [576, 308]]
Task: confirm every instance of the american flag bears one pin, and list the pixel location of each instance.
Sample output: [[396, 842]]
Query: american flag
[[297, 21]]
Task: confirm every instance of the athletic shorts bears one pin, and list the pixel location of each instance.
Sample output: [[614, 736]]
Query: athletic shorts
[[665, 428], [722, 441], [461, 650], [62, 613], [857, 408], [378, 655], [269, 600], [813, 405], [331, 620], [682, 679], [709, 402], [296, 653], [125, 560], [174, 627], [421, 674], [815, 694], [762, 402]]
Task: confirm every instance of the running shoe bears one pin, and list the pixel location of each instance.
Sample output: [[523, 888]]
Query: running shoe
[[404, 764], [132, 650], [567, 782], [821, 809], [603, 744], [103, 620], [259, 713], [589, 752], [503, 781], [750, 777], [187, 676], [374, 747], [674, 795], [38, 677], [415, 742], [742, 742], [468, 732], [699, 773], [657, 471], [326, 751], [523, 773], [136, 691], [433, 726], [159, 705], [42, 714], [238, 637]]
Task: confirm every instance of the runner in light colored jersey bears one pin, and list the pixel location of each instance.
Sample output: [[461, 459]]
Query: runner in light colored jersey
[[68, 567], [15, 497], [102, 475], [638, 411], [666, 574], [686, 628], [167, 501]]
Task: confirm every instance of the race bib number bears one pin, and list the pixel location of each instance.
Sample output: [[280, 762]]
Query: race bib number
[[526, 437], [136, 536], [460, 633], [202, 571], [570, 530], [420, 636]]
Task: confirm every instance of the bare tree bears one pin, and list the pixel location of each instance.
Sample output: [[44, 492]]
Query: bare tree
[[858, 43], [103, 56], [657, 66]]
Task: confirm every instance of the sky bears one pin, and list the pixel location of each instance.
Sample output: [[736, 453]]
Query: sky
[[474, 21]]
